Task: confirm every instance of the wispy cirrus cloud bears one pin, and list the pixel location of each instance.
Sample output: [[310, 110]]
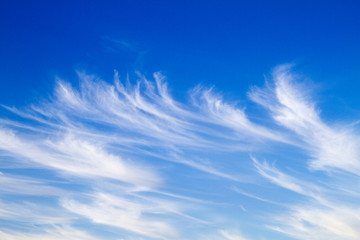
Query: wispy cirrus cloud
[[231, 236], [76, 157], [57, 233], [126, 213], [326, 213], [134, 159], [331, 147], [14, 184]]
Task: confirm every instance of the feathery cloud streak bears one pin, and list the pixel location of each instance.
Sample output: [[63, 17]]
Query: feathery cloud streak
[[124, 155]]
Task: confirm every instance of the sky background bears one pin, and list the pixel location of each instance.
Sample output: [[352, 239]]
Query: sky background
[[139, 120]]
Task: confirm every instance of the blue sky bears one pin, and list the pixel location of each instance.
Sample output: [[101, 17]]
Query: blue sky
[[205, 120]]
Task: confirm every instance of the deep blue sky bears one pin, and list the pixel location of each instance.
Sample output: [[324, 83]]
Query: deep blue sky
[[224, 43], [270, 152]]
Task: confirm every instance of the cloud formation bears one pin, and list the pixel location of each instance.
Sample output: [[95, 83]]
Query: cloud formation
[[129, 158]]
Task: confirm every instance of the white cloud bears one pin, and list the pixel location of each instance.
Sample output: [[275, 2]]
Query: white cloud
[[331, 147], [217, 111], [77, 157], [283, 180], [129, 214], [85, 136], [28, 186], [57, 233], [231, 236], [30, 213]]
